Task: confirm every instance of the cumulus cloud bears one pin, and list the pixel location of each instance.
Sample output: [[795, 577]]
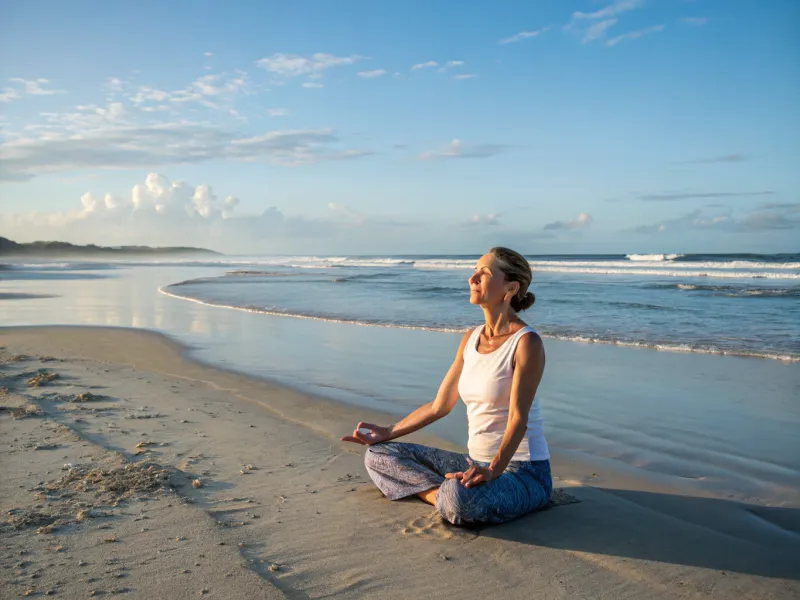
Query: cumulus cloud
[[458, 149], [426, 65], [90, 142], [633, 35], [523, 35], [294, 65], [20, 88], [489, 219], [582, 221], [372, 74], [157, 196], [766, 218]]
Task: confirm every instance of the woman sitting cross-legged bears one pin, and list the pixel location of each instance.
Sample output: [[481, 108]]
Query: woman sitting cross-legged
[[496, 372]]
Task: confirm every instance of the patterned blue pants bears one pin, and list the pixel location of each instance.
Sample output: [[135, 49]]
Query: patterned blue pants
[[401, 469]]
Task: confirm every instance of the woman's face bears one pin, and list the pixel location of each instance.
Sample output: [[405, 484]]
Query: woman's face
[[488, 285]]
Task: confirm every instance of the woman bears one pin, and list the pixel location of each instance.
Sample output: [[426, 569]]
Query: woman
[[496, 372]]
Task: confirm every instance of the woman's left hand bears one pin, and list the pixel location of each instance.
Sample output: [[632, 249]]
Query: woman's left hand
[[475, 475]]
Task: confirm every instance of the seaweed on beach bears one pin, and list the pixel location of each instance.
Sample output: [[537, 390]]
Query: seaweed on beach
[[42, 378], [83, 491], [115, 484], [22, 412]]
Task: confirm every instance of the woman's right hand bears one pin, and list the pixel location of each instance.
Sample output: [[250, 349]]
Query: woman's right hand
[[375, 434]]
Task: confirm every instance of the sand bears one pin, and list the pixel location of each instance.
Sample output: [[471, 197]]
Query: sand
[[137, 472]]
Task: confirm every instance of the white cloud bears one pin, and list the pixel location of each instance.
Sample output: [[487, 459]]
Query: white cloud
[[208, 54], [768, 217], [157, 196], [216, 91], [458, 149], [482, 220], [21, 88], [466, 76], [277, 112], [372, 74], [92, 139], [523, 35], [582, 221], [597, 30], [634, 35], [293, 65], [454, 63], [426, 65], [313, 85], [615, 8]]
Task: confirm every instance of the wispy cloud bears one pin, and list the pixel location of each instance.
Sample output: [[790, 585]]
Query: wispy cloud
[[106, 143], [21, 88], [695, 21], [313, 85], [277, 112], [672, 196], [594, 25], [615, 8], [426, 65], [781, 218], [372, 74], [466, 76], [633, 35], [458, 149], [582, 221], [723, 158], [597, 30], [523, 35], [208, 54], [294, 65]]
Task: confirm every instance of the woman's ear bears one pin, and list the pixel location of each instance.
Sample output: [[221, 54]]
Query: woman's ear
[[513, 289]]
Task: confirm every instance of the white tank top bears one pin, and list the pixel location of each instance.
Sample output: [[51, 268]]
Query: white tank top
[[485, 387]]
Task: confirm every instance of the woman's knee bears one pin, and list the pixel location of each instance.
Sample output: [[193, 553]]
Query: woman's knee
[[380, 453], [454, 503]]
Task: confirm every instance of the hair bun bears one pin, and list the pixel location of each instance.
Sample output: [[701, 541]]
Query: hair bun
[[524, 303]]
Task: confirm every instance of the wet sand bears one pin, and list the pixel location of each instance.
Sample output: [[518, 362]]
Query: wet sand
[[98, 495]]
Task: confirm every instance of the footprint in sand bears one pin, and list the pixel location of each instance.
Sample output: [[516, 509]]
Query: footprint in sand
[[431, 526]]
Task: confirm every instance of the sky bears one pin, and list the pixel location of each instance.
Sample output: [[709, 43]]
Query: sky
[[413, 127]]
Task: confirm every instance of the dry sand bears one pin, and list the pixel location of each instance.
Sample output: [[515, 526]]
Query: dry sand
[[137, 472]]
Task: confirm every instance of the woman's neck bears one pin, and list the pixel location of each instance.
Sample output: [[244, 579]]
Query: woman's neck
[[498, 320]]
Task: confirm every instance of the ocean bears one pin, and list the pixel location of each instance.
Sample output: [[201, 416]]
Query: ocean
[[744, 304], [678, 366]]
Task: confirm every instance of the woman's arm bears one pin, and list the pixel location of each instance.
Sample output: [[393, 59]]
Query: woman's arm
[[528, 369], [426, 414]]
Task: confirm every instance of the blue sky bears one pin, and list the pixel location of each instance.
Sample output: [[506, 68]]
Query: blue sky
[[403, 127]]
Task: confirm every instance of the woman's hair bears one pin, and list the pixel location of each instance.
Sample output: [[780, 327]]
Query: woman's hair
[[515, 268]]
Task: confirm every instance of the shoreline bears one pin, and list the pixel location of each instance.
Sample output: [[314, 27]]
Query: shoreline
[[281, 484], [658, 347]]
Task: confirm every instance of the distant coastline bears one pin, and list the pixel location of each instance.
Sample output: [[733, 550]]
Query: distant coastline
[[60, 249]]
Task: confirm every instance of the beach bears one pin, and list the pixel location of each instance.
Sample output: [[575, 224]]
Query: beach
[[286, 510], [677, 471]]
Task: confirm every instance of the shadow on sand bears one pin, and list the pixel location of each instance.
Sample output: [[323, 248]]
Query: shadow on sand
[[699, 532]]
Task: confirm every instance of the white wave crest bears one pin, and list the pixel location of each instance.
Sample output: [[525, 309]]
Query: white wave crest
[[652, 257]]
